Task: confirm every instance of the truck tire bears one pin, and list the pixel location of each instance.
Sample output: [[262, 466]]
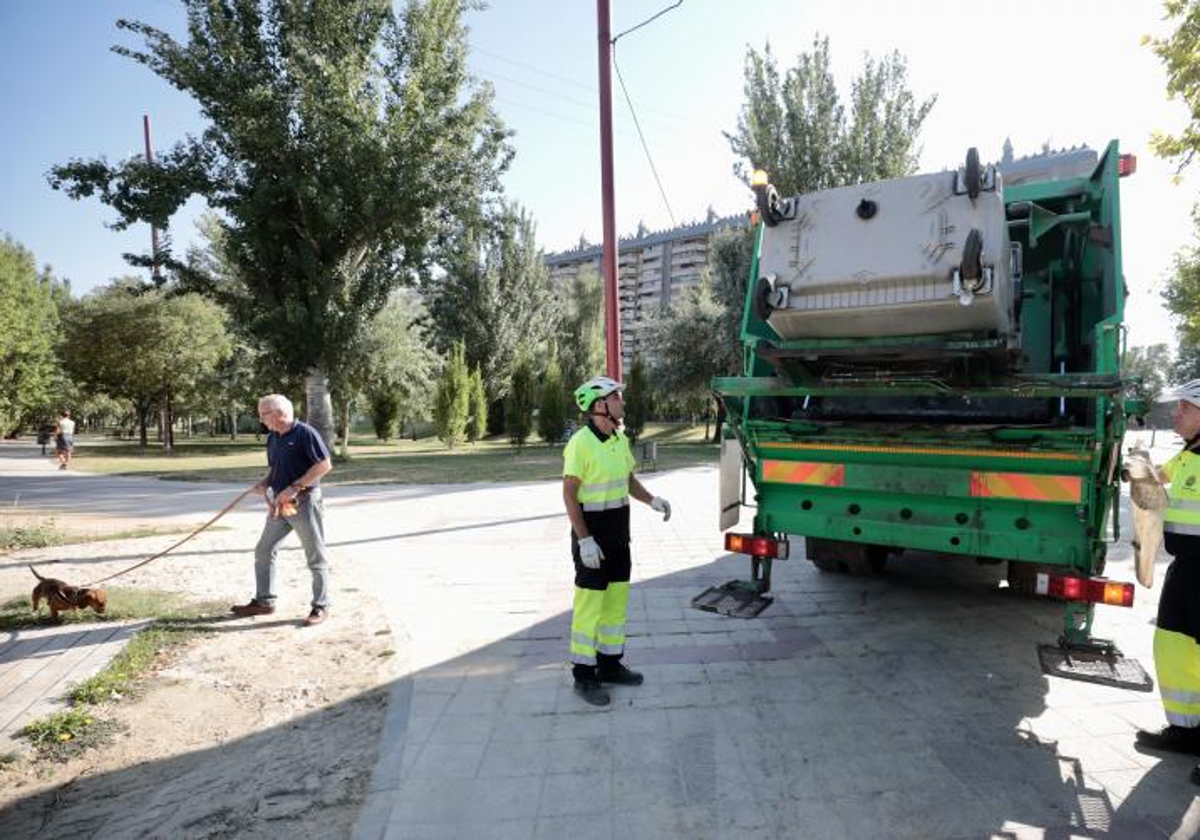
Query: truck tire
[[839, 556], [972, 175]]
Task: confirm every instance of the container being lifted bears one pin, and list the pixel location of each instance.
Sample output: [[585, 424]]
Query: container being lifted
[[932, 363]]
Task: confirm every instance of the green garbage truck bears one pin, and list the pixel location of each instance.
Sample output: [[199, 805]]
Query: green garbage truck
[[932, 363]]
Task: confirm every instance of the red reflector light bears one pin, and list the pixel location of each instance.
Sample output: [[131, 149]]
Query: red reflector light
[[1092, 590], [1126, 165], [756, 546]]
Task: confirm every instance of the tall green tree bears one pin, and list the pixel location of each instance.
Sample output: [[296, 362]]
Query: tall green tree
[[147, 347], [495, 296], [477, 430], [796, 127], [28, 332], [638, 399], [688, 347], [581, 333], [342, 140], [552, 404], [521, 400], [390, 361], [1180, 53], [1151, 365], [452, 402]]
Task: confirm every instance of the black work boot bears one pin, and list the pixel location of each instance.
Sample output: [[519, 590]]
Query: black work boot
[[589, 689], [620, 675], [1171, 738]]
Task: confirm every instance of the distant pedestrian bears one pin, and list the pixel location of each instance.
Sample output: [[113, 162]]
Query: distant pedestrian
[[597, 483], [297, 458], [64, 439]]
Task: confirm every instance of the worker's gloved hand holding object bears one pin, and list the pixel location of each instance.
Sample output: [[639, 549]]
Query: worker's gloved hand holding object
[[662, 506], [590, 554]]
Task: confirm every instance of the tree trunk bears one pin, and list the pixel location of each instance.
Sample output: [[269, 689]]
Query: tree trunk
[[142, 411], [167, 421], [716, 438], [346, 429], [320, 407], [233, 418]]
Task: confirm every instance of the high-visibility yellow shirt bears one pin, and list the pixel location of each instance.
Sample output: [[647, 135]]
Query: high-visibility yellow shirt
[[603, 465], [1182, 515]]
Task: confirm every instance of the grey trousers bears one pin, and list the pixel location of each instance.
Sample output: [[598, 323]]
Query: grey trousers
[[309, 525]]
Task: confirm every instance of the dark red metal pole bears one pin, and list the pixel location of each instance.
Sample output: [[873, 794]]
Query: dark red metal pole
[[608, 264], [150, 159]]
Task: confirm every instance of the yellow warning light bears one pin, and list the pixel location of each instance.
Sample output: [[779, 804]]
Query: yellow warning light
[[758, 178]]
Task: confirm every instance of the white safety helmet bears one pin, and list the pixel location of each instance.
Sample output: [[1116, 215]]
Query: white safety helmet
[[594, 389], [1187, 392]]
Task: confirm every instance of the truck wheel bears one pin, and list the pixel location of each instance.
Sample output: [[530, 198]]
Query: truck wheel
[[971, 174], [971, 268], [858, 559], [758, 301]]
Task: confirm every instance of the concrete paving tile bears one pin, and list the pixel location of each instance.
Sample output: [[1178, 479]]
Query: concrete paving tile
[[446, 761], [427, 704], [595, 827], [481, 703], [576, 794], [423, 831], [496, 830], [630, 720], [522, 728], [577, 755], [512, 798], [461, 729], [582, 723], [1095, 755], [516, 758]]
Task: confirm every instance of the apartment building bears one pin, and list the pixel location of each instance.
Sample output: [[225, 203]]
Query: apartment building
[[652, 269]]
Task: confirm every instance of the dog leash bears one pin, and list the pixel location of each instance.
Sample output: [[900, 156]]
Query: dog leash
[[166, 551]]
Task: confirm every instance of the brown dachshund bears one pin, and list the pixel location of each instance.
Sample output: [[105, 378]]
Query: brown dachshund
[[62, 596]]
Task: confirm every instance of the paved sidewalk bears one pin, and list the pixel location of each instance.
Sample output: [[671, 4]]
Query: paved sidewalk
[[38, 665], [910, 705]]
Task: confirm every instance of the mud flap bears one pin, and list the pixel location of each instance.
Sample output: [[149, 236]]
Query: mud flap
[[736, 599], [1096, 662]]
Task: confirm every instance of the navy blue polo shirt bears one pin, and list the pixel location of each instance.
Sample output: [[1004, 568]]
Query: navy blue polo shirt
[[293, 453]]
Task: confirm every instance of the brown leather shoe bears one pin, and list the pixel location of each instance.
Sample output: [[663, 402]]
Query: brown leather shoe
[[317, 615], [252, 608]]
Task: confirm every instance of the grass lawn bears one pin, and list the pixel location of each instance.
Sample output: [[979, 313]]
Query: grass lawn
[[425, 461]]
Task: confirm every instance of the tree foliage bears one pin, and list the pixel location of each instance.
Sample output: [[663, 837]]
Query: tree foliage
[[477, 429], [638, 399], [519, 405], [1152, 365], [343, 138], [495, 296], [552, 404], [28, 332], [581, 351], [145, 346], [796, 127], [1180, 53], [452, 402]]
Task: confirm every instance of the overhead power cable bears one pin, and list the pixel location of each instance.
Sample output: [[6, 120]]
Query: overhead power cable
[[633, 113], [559, 77]]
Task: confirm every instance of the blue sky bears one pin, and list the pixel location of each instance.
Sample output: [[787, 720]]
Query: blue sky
[[1057, 71]]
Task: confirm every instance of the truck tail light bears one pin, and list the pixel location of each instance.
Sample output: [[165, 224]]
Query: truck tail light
[[1093, 590], [757, 546], [1126, 165]]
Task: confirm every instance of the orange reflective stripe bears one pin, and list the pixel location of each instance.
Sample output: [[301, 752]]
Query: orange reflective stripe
[[1035, 488], [997, 452], [804, 472]]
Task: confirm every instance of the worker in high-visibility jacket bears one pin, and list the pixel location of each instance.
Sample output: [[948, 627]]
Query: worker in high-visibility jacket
[[1177, 631], [598, 480]]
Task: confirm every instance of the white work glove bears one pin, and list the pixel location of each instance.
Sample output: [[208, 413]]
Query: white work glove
[[661, 505], [590, 554]]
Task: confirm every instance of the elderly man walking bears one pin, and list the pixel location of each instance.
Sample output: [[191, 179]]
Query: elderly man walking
[[297, 458]]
